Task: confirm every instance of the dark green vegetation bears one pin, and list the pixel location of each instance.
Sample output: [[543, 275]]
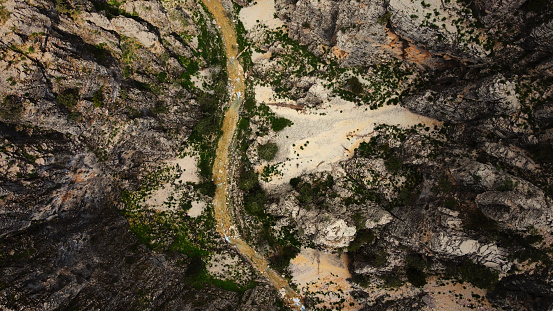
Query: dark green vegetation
[[284, 245], [11, 108], [387, 84], [176, 231], [415, 266], [314, 194], [383, 20], [98, 98], [206, 132], [68, 98], [362, 237], [4, 14], [365, 186], [354, 85], [476, 274], [266, 120], [279, 123]]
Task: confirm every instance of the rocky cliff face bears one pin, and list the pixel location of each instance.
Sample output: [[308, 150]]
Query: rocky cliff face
[[475, 195], [95, 97]]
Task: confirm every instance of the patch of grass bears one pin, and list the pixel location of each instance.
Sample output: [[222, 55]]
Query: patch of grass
[[268, 151]]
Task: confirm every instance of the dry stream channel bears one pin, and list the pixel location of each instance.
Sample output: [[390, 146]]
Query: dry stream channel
[[223, 215]]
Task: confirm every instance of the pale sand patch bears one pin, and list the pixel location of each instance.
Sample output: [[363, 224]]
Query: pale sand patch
[[325, 274], [197, 209], [322, 137], [263, 11], [264, 94], [448, 295], [256, 56], [189, 167], [199, 78], [439, 295], [229, 266]]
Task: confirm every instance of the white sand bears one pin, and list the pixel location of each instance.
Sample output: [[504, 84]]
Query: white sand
[[324, 273], [263, 12], [322, 137], [190, 170], [197, 209]]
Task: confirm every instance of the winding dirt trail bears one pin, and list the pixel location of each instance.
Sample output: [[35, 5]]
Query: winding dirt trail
[[225, 224]]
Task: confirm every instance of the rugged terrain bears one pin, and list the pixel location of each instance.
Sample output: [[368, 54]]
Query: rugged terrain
[[391, 155]]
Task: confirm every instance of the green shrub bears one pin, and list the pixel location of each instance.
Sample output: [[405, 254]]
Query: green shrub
[[508, 185], [278, 124], [281, 259], [415, 266], [307, 193], [294, 182], [367, 149], [4, 15], [207, 188], [98, 98], [161, 77], [383, 20], [159, 108], [444, 185], [363, 236], [68, 98], [392, 280], [416, 277], [11, 108], [268, 151], [354, 85], [393, 164], [379, 258], [254, 202], [248, 180]]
